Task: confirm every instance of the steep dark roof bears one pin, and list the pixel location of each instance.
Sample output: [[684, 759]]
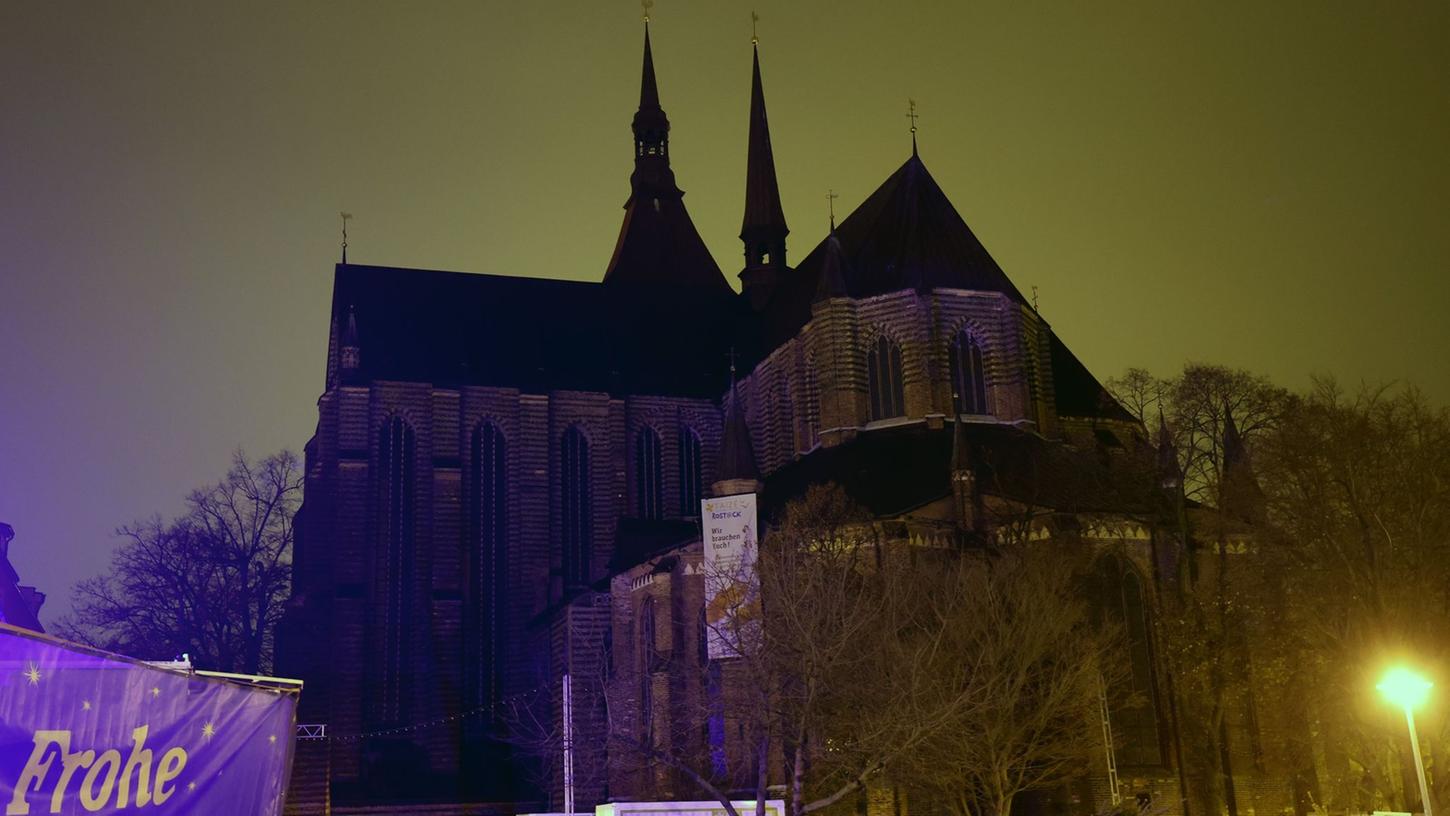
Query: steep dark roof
[[538, 334], [1078, 393], [905, 235]]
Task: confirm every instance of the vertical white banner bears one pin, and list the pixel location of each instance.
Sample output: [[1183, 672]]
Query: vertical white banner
[[732, 589]]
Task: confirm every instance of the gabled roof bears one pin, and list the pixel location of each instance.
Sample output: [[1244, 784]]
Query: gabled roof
[[539, 334], [907, 235], [1077, 393]]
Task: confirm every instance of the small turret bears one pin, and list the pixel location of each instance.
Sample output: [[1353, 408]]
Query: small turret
[[1170, 476], [1239, 493], [737, 471], [964, 479]]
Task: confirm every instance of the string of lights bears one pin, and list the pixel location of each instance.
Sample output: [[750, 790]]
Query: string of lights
[[404, 729]]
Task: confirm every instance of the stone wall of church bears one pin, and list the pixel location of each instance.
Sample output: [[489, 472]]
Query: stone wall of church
[[813, 388], [331, 636]]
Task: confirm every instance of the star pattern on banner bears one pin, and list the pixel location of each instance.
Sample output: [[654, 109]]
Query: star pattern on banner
[[32, 673], [190, 786], [208, 731], [272, 739], [155, 691], [85, 705]]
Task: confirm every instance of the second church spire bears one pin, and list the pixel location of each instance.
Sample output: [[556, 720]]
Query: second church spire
[[763, 230]]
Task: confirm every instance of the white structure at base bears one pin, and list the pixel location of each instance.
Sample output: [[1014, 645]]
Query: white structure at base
[[711, 807]]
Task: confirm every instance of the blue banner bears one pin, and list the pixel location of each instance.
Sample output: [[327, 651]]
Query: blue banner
[[83, 731]]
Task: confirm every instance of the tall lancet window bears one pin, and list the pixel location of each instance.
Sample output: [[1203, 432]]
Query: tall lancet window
[[488, 565], [1134, 704], [649, 489], [812, 412], [883, 379], [395, 485], [969, 377], [689, 473], [575, 513]]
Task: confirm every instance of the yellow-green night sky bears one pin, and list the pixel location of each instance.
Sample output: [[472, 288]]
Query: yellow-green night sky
[[1259, 184]]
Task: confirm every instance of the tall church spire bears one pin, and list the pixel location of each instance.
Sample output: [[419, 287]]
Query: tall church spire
[[763, 230], [652, 172], [658, 245]]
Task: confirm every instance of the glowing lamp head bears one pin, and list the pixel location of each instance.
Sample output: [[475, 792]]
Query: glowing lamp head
[[1404, 688]]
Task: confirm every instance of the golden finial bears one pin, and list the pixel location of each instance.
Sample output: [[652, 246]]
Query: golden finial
[[347, 216], [645, 6], [831, 196], [754, 18]]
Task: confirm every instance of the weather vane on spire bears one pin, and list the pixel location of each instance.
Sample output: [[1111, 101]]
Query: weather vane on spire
[[831, 196], [912, 115], [645, 6], [754, 18], [347, 216]]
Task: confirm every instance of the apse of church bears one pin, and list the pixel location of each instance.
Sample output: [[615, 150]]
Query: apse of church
[[505, 479]]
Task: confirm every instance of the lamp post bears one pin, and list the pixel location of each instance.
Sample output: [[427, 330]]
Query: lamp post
[[1407, 689]]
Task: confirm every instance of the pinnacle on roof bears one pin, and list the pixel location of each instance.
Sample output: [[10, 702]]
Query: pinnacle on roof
[[1168, 470], [1239, 492], [650, 115], [961, 447], [832, 282], [763, 228], [1233, 444], [737, 455]]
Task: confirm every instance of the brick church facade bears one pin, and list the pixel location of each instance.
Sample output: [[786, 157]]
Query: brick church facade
[[505, 470]]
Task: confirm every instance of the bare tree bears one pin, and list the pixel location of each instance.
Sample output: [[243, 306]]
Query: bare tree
[[1037, 664], [862, 652], [1358, 495], [211, 583], [1193, 404]]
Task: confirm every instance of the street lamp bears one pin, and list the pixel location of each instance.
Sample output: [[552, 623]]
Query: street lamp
[[1406, 689]]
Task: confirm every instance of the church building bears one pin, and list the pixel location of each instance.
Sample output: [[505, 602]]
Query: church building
[[502, 466]]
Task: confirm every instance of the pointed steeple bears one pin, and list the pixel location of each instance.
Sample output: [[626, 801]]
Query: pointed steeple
[[1170, 476], [1239, 493], [736, 471], [658, 244], [763, 229], [832, 283], [652, 172]]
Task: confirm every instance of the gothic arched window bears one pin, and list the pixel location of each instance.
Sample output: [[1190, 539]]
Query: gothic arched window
[[1133, 705], [812, 413], [395, 485], [488, 567], [689, 473], [969, 376], [575, 515], [883, 379], [649, 489]]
